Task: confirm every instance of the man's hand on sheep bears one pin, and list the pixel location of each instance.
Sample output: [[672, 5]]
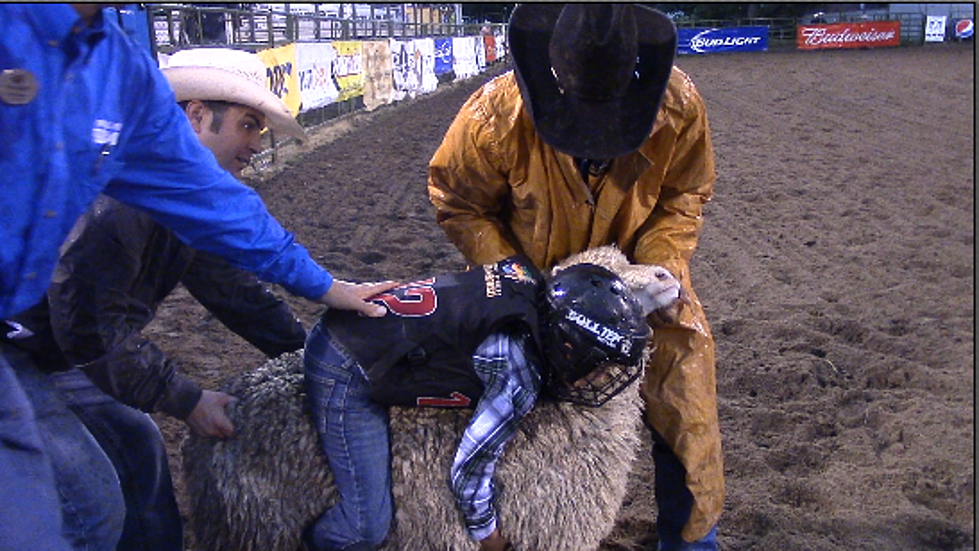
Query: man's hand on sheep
[[344, 295], [209, 417]]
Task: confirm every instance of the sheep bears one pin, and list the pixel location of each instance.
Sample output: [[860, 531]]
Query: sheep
[[561, 480]]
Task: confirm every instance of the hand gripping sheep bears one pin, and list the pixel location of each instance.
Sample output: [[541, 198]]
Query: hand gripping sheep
[[562, 479]]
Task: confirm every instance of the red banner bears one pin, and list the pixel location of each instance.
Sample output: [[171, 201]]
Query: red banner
[[849, 35], [489, 42]]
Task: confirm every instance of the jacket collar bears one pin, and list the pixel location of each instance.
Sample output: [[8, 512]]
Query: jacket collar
[[57, 23]]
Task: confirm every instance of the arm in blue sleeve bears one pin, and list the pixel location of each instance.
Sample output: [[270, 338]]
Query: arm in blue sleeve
[[169, 174]]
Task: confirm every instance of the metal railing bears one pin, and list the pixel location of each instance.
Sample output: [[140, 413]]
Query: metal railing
[[180, 26]]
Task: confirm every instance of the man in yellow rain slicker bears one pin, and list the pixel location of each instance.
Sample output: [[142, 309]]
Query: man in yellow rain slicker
[[594, 139]]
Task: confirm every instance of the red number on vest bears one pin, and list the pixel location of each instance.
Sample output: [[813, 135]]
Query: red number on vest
[[413, 300]]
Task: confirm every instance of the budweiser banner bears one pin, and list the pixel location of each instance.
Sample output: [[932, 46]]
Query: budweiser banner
[[849, 35]]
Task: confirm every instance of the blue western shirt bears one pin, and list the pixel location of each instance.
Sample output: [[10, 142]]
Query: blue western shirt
[[103, 119], [512, 384]]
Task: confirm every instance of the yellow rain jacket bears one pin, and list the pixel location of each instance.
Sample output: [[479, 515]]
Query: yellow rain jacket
[[498, 189]]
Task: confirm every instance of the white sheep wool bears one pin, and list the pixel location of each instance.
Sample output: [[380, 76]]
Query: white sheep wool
[[562, 478]]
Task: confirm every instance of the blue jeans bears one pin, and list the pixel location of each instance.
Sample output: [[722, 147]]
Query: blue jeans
[[354, 433], [674, 501], [30, 514], [134, 445], [92, 507]]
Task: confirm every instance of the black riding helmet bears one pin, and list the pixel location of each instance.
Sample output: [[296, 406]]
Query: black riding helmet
[[594, 333]]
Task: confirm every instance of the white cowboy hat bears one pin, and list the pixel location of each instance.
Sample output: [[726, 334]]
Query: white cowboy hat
[[235, 76]]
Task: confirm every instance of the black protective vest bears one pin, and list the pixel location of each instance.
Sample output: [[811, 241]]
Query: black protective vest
[[420, 353]]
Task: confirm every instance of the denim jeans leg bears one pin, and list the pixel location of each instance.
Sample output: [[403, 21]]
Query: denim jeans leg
[[92, 506], [30, 513], [354, 433], [674, 501], [135, 446]]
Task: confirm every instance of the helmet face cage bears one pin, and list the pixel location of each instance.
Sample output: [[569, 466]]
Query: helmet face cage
[[594, 334], [601, 385]]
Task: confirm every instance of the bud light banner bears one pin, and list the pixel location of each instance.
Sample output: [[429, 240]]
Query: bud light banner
[[734, 39]]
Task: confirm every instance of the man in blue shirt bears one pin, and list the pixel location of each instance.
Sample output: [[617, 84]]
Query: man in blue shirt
[[85, 111], [116, 268]]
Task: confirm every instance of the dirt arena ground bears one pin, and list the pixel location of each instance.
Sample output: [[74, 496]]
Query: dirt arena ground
[[836, 265]]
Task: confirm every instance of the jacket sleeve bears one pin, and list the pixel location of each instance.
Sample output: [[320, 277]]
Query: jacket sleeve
[[244, 304], [166, 172], [669, 236], [468, 185], [98, 324]]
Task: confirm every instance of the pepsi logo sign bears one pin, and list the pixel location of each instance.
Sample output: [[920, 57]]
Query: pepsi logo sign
[[964, 28]]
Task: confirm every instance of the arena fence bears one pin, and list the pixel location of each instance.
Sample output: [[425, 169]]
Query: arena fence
[[273, 33], [267, 29], [178, 26]]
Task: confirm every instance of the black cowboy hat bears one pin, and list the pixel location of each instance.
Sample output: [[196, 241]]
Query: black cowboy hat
[[592, 75]]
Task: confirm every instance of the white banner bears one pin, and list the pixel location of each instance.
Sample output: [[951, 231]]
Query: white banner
[[425, 65], [465, 63], [935, 28], [414, 67], [501, 45], [317, 86], [401, 58], [480, 45]]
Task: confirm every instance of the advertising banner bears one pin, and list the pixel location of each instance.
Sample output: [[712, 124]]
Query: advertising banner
[[378, 82], [935, 28], [443, 56], [424, 64], [414, 67], [280, 72], [317, 86], [501, 45], [480, 47], [489, 43], [348, 68], [964, 28], [849, 35], [312, 75], [401, 57], [736, 39], [464, 56]]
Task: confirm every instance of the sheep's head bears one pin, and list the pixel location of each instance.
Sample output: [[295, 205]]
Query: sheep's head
[[654, 286]]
